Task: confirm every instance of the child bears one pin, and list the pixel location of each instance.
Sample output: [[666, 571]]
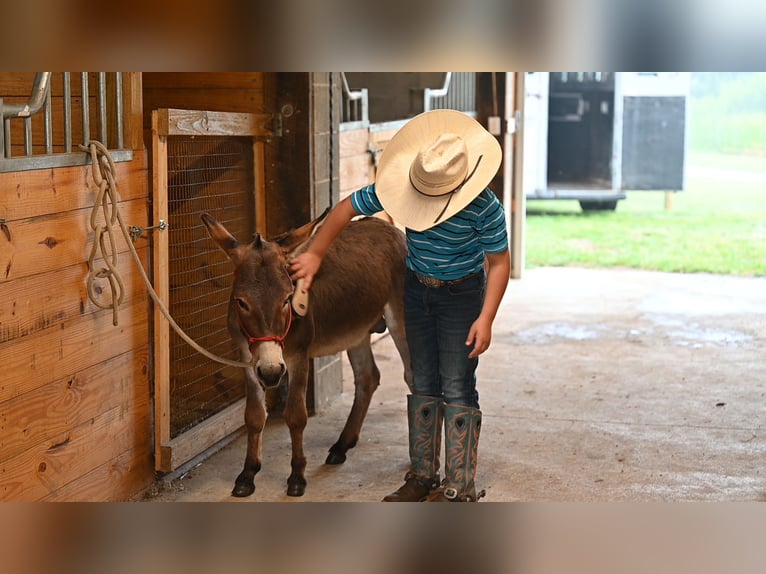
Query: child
[[432, 179]]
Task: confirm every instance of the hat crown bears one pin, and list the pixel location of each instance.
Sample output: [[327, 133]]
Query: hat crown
[[441, 166]]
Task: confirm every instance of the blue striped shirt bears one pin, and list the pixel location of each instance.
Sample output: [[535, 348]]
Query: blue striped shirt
[[455, 247]]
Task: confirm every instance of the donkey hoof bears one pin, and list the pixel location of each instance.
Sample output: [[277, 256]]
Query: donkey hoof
[[243, 489], [296, 487], [335, 457]]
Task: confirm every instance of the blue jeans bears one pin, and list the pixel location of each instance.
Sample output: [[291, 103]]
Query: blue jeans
[[437, 321]]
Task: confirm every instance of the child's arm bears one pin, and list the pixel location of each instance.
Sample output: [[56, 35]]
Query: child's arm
[[306, 265], [480, 335]]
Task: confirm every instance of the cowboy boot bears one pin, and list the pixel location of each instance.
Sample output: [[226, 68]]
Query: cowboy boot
[[424, 416], [461, 428]]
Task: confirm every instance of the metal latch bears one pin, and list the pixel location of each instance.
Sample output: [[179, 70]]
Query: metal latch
[[137, 231]]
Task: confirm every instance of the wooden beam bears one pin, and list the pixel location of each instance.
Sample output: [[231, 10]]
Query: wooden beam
[[161, 282], [133, 105], [259, 191], [173, 453], [172, 122]]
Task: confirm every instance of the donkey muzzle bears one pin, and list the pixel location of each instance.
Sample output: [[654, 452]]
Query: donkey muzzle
[[270, 366], [270, 375]]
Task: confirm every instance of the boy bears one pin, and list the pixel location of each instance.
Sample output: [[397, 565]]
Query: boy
[[432, 179]]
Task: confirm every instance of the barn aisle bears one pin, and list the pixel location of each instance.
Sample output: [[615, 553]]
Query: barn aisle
[[600, 386]]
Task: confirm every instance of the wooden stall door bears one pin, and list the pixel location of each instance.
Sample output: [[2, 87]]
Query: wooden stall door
[[203, 162]]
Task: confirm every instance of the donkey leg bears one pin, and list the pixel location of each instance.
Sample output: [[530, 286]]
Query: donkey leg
[[366, 380], [394, 314], [296, 417], [255, 418]]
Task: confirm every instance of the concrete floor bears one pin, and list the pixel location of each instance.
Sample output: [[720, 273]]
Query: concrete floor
[[600, 385]]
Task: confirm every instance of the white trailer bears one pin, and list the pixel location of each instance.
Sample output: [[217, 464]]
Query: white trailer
[[591, 136]]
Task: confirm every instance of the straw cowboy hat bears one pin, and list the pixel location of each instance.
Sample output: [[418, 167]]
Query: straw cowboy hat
[[434, 166]]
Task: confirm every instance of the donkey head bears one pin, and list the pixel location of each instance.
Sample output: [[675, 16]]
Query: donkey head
[[259, 307]]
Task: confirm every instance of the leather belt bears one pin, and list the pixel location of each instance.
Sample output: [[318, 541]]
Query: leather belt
[[434, 282]]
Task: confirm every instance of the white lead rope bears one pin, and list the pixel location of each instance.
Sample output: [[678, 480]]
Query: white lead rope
[[103, 176]]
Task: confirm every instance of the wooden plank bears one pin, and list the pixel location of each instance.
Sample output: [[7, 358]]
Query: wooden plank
[[122, 479], [69, 347], [36, 302], [188, 445], [249, 101], [259, 180], [58, 407], [174, 122], [48, 191], [203, 80], [356, 172], [133, 110], [56, 462], [354, 142], [46, 243], [162, 287]]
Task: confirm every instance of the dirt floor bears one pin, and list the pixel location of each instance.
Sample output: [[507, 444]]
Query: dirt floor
[[600, 385]]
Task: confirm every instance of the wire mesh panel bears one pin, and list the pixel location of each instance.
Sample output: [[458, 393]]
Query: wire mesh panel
[[213, 175]]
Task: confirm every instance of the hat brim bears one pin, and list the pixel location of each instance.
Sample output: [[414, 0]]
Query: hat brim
[[392, 182]]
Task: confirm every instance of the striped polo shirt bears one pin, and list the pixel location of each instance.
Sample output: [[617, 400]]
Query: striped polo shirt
[[455, 247]]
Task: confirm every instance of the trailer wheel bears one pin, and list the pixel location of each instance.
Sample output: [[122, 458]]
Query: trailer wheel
[[598, 205]]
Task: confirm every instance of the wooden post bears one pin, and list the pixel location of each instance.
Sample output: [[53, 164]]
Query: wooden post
[[133, 106], [259, 187], [669, 200], [161, 281]]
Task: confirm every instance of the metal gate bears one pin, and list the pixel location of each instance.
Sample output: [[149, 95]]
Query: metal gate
[[203, 162]]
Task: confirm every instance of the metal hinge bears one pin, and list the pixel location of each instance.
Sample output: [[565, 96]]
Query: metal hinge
[[277, 126]]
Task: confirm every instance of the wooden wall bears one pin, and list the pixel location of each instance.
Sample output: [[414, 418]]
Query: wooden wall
[[74, 389], [358, 151], [75, 398]]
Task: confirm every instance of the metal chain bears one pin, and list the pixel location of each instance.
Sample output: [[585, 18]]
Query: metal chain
[[106, 200]]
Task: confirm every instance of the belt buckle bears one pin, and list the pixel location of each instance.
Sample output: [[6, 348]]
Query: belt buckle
[[429, 281]]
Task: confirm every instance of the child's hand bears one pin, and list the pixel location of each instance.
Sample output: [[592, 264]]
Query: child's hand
[[480, 336], [305, 266]]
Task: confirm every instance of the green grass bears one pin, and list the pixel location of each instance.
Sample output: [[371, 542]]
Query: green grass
[[713, 227]]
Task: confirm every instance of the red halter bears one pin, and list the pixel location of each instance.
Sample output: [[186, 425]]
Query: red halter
[[276, 338], [267, 338]]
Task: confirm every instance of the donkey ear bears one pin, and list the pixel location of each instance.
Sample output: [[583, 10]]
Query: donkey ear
[[225, 240], [291, 240]]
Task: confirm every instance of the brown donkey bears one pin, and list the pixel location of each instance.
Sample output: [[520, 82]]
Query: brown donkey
[[360, 282]]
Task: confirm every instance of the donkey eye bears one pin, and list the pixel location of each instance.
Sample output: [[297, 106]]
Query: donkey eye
[[287, 302], [241, 304]]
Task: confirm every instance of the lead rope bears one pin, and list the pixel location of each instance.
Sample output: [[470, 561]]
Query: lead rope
[[106, 200]]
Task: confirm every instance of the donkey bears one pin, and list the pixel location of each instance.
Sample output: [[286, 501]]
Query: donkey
[[359, 285]]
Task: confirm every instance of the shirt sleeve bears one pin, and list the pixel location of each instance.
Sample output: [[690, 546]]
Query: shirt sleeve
[[493, 234], [365, 201]]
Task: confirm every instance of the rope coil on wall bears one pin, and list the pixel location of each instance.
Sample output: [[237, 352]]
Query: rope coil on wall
[[106, 201]]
